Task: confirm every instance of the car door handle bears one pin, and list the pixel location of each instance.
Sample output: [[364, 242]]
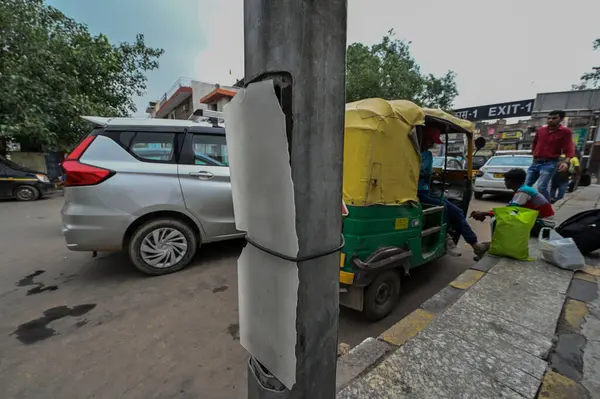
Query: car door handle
[[202, 175]]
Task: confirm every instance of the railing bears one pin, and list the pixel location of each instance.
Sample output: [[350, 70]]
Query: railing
[[181, 82]]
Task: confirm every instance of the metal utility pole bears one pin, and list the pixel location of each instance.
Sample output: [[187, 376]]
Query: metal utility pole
[[301, 46]]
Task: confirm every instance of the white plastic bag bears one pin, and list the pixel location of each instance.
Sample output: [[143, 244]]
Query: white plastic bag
[[560, 251]]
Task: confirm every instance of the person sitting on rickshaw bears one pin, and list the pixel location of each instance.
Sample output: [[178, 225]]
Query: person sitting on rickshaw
[[453, 213], [526, 197]]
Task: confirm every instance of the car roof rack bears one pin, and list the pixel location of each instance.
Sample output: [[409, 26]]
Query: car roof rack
[[200, 117], [213, 117]]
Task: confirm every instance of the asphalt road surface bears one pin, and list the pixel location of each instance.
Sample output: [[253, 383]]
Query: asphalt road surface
[[73, 326]]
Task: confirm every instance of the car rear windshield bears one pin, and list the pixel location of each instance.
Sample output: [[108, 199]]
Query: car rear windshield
[[510, 161]]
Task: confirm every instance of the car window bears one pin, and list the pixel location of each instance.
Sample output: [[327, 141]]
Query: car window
[[153, 155], [510, 161], [438, 162], [454, 164], [150, 146], [10, 164], [210, 150], [479, 160], [2, 170]]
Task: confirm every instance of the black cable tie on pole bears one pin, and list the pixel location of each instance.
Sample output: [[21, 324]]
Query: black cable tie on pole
[[300, 258]]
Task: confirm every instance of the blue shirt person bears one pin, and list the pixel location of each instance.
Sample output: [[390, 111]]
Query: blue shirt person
[[454, 214], [426, 171]]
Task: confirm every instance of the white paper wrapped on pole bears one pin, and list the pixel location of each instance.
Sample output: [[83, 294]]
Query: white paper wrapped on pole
[[263, 201]]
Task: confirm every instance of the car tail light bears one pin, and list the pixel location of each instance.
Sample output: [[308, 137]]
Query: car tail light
[[80, 174], [479, 173], [78, 151]]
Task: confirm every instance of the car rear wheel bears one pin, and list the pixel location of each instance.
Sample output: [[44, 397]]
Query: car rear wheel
[[382, 295], [478, 196], [27, 193], [162, 246]]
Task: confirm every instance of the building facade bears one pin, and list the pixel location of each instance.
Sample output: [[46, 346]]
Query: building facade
[[187, 96]]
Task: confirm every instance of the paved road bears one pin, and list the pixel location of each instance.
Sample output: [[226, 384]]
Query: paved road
[[72, 326]]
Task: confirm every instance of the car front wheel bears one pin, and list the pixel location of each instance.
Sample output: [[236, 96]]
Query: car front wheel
[[162, 246], [27, 193], [478, 196]]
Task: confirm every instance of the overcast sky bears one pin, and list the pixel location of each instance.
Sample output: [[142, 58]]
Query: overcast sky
[[501, 51]]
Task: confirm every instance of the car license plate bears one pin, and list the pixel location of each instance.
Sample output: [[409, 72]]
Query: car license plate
[[499, 175]]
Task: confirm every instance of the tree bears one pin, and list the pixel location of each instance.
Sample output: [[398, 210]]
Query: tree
[[590, 80], [388, 70], [52, 71]]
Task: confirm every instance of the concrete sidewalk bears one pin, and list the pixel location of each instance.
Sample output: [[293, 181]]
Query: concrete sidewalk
[[503, 329]]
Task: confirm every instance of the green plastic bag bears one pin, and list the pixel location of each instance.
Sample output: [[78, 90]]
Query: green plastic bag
[[511, 234]]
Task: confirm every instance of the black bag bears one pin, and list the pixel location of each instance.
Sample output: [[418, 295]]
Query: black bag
[[584, 229], [585, 180]]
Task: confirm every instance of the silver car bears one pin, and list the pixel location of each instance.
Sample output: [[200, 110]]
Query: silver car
[[489, 179], [156, 188]]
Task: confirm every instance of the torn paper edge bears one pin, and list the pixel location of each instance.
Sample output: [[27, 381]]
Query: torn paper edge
[[263, 200]]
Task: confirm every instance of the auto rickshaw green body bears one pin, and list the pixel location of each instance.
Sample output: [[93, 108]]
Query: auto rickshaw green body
[[387, 230]]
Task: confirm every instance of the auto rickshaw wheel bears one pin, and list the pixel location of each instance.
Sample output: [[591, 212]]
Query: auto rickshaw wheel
[[381, 296]]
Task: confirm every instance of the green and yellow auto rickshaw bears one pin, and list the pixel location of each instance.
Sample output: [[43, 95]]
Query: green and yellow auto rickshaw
[[387, 230]]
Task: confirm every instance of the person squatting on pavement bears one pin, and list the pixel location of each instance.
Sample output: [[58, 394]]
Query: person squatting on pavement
[[526, 197], [549, 143], [454, 214]]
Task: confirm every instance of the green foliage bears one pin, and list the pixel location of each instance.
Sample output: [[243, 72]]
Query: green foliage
[[590, 80], [388, 70], [52, 70]]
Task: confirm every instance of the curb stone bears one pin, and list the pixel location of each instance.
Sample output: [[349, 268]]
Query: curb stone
[[551, 383], [561, 379], [564, 376], [372, 351], [360, 360]]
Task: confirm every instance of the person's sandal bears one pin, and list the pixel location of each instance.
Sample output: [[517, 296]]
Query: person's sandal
[[451, 248], [480, 249]]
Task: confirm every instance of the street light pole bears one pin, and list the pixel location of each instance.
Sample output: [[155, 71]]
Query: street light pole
[[301, 46]]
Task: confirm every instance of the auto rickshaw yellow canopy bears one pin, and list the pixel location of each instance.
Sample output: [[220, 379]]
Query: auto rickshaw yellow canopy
[[463, 126], [381, 152]]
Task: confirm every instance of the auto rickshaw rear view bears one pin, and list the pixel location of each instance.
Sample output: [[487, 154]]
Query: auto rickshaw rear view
[[387, 230]]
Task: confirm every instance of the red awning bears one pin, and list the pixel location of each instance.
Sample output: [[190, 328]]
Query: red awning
[[216, 95]]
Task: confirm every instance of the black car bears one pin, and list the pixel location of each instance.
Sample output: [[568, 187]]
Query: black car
[[22, 183]]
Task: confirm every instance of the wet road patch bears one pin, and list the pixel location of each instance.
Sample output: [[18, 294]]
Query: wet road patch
[[41, 288], [234, 331], [38, 288], [28, 280], [37, 330]]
